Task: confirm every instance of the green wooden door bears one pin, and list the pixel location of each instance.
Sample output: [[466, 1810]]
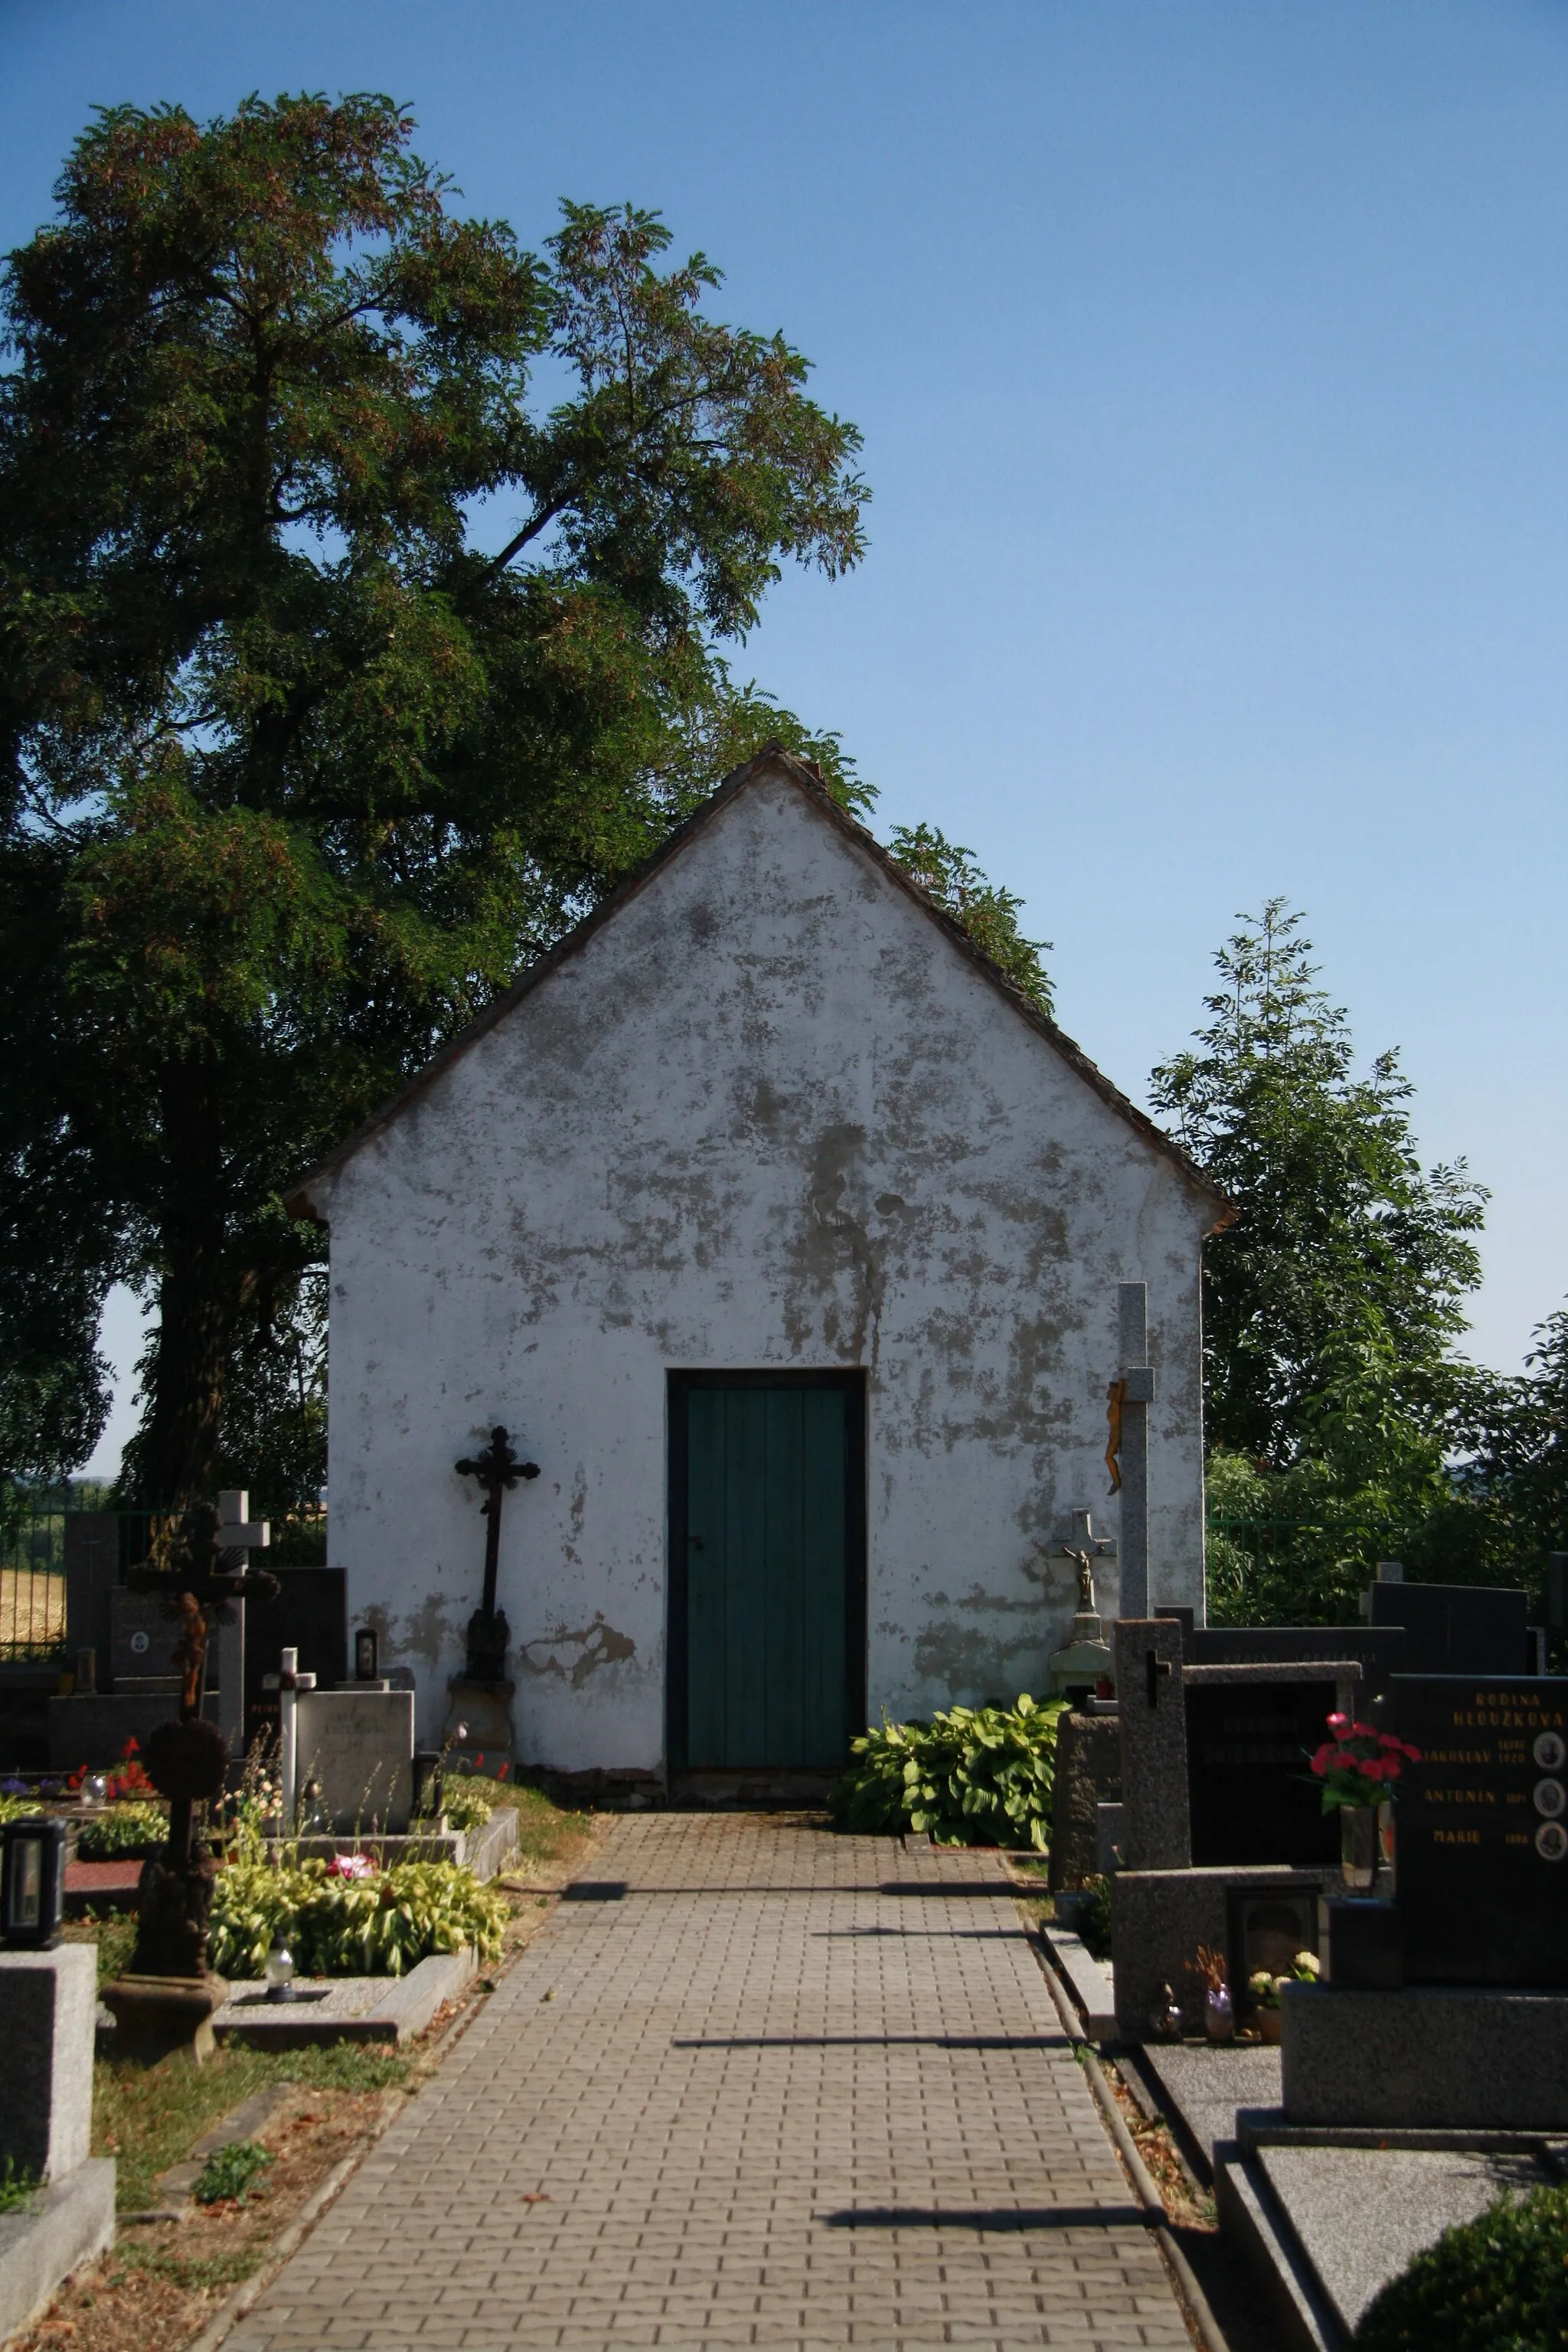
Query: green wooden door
[[769, 1530]]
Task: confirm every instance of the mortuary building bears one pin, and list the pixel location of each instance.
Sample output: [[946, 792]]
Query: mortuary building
[[824, 1279]]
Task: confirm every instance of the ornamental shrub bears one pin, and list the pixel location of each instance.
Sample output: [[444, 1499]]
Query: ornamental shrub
[[121, 1829], [972, 1776], [467, 1801], [379, 1926], [1499, 2284]]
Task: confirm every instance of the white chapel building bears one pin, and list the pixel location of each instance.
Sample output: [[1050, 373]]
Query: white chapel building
[[794, 1246]]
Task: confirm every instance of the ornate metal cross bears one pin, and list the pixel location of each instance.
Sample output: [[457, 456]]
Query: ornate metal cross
[[497, 1470]]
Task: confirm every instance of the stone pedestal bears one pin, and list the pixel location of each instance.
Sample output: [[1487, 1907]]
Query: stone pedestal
[[484, 1709], [47, 2004], [1429, 2057], [156, 2017]]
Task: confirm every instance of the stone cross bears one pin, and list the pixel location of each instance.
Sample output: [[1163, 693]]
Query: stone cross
[[1131, 1394], [288, 1681]]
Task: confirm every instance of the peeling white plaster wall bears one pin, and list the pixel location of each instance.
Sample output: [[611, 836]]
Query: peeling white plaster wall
[[768, 1115]]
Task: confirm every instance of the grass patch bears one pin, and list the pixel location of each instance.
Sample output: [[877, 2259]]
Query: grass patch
[[150, 2117], [230, 2173], [17, 2187], [115, 1937], [545, 1832], [196, 2273]]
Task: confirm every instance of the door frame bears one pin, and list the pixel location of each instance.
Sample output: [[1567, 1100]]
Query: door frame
[[678, 1386]]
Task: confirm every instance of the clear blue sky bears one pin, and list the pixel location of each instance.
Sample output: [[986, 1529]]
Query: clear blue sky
[[1213, 362]]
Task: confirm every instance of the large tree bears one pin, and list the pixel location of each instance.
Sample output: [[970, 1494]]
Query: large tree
[[1332, 1302], [362, 582]]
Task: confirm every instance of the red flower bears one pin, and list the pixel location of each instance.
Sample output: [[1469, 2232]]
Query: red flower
[[504, 1771], [1337, 1722], [478, 1762], [132, 1748]]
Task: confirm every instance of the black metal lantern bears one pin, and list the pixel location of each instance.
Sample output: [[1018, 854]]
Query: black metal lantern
[[32, 1883], [365, 1667]]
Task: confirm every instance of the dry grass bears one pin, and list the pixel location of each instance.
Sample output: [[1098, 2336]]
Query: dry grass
[[31, 1608]]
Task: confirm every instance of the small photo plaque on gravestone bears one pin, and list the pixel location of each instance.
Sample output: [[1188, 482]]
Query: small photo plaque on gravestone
[[1482, 1828]]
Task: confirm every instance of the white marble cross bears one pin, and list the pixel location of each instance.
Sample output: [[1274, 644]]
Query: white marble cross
[[236, 1532], [288, 1681]]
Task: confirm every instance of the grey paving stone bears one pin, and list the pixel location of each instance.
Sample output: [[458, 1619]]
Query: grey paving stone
[[789, 2091]]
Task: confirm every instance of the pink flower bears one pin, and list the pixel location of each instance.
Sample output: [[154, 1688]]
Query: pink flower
[[350, 1866], [1337, 1722]]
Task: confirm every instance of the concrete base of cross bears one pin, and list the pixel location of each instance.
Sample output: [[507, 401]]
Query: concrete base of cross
[[156, 2017]]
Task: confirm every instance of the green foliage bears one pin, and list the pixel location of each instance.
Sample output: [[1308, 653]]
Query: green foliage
[[990, 915], [1499, 2284], [1094, 1921], [467, 1801], [299, 768], [193, 2273], [120, 1829], [231, 2172], [973, 1776], [18, 2185], [378, 1926], [12, 1808], [1329, 1305]]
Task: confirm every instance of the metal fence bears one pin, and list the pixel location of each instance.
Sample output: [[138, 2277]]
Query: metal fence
[[34, 1524], [1291, 1571], [33, 1580]]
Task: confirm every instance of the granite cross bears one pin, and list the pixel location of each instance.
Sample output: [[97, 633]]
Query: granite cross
[[1127, 1455]]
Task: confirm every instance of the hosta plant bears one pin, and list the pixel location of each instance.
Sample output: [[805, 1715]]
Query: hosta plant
[[121, 1829], [972, 1776], [379, 1925]]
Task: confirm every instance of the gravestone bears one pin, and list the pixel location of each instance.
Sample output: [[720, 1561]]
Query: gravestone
[[48, 2003], [358, 1745], [1251, 1796], [309, 1615], [1482, 1828], [1454, 1629], [1087, 1775]]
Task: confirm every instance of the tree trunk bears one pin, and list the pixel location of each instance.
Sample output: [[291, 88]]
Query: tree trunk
[[179, 1459]]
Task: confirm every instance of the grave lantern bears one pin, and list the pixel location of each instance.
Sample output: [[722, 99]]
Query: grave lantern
[[365, 1646], [33, 1882]]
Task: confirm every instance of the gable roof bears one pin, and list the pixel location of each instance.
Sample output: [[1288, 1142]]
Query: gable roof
[[769, 763]]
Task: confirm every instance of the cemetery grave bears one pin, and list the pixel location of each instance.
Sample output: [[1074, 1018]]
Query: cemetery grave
[[1427, 2073]]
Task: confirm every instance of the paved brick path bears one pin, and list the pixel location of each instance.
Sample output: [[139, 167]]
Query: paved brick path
[[769, 2087]]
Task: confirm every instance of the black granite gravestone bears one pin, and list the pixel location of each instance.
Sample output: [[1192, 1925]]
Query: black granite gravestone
[[1251, 1795], [1453, 1629], [1482, 1828], [308, 1613]]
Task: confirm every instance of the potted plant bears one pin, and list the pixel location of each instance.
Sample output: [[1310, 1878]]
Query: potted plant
[[1265, 1989], [1359, 1767]]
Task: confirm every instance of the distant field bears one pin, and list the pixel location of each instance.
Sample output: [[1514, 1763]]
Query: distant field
[[32, 1609]]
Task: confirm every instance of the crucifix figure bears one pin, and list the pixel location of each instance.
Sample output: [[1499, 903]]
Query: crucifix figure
[[497, 1470], [1083, 1550]]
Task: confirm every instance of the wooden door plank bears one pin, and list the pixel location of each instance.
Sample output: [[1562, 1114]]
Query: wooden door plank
[[745, 1568], [788, 1575], [825, 1738], [706, 1733]]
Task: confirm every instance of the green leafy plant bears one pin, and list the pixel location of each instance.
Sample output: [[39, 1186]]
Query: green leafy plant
[[1265, 1987], [121, 1829], [1499, 2284], [972, 1776], [13, 1808], [231, 2172], [1094, 1920], [17, 2186], [467, 1800], [381, 1925]]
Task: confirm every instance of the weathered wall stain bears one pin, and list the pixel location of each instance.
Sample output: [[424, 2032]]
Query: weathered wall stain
[[572, 1657]]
